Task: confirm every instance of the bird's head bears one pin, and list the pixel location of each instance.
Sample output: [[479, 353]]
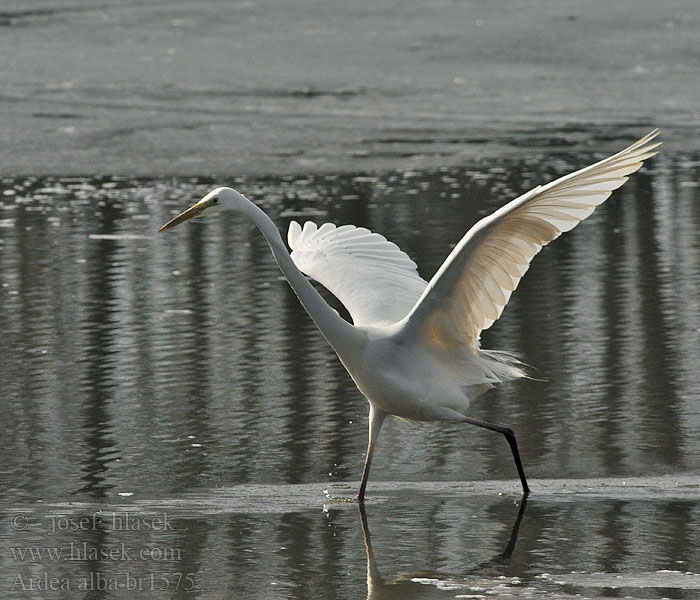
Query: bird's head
[[221, 198]]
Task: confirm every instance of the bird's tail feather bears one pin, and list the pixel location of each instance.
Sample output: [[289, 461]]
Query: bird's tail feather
[[501, 366]]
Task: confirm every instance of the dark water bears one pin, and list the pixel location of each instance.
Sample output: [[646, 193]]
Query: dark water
[[175, 378]]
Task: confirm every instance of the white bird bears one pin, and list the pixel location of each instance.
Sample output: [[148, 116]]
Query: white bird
[[413, 347]]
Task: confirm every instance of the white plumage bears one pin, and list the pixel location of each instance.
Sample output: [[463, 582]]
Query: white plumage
[[379, 284], [372, 277], [413, 347], [473, 285]]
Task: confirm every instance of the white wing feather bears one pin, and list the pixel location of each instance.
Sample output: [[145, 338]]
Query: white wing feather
[[469, 291], [372, 277]]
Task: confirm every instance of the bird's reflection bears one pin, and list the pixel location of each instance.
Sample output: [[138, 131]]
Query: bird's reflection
[[407, 586]]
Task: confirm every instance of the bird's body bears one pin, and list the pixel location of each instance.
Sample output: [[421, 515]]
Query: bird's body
[[413, 347], [401, 379], [405, 381]]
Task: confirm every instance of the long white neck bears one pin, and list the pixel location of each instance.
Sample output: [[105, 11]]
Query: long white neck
[[341, 335]]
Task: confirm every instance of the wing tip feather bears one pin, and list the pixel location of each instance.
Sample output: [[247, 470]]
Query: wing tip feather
[[293, 234]]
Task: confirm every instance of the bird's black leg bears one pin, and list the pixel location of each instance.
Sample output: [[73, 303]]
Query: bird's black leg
[[510, 437]]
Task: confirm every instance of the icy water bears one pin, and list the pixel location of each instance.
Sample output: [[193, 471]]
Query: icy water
[[172, 87], [174, 426]]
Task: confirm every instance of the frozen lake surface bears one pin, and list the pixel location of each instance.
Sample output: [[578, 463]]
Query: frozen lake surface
[[469, 540], [174, 87]]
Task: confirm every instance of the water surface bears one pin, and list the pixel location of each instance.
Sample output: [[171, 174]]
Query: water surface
[[176, 375]]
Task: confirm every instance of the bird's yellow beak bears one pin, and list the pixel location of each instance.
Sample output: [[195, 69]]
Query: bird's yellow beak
[[190, 213]]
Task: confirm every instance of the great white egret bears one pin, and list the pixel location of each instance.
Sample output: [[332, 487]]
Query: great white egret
[[413, 347]]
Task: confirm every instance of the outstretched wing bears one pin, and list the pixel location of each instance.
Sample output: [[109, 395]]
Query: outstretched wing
[[372, 277], [469, 291]]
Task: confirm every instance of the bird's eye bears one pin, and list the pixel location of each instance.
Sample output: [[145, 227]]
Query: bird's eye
[[215, 201]]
